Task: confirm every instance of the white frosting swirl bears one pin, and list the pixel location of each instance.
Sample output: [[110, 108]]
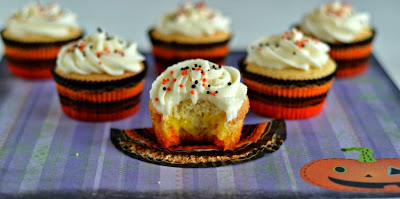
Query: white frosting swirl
[[100, 53], [43, 20], [199, 79], [289, 49], [193, 20], [334, 22]]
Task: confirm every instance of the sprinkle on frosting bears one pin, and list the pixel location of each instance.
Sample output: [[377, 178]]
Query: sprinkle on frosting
[[43, 20], [228, 98], [193, 20], [96, 54], [335, 21], [289, 49]]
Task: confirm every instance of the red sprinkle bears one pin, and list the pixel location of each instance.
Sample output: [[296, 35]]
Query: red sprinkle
[[204, 79], [203, 73], [156, 99], [204, 84], [98, 54], [172, 72], [100, 63], [169, 89], [69, 51], [192, 92], [174, 80], [181, 85]]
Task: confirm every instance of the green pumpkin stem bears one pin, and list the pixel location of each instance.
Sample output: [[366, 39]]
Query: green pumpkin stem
[[365, 153]]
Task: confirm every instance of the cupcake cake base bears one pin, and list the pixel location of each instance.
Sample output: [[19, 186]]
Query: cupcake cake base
[[255, 142]]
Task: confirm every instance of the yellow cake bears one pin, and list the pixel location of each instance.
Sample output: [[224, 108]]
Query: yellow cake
[[198, 100]]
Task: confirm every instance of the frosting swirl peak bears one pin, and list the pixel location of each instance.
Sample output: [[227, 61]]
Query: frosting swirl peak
[[43, 20], [193, 20], [289, 49], [100, 53], [335, 22], [199, 79]]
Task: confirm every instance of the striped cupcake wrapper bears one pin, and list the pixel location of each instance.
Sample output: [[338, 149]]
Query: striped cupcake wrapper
[[288, 99], [100, 101], [32, 60], [352, 59], [169, 53]]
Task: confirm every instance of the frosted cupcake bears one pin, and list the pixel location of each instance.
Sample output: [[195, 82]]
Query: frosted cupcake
[[288, 75], [100, 78], [33, 36], [346, 31], [191, 31], [198, 100]]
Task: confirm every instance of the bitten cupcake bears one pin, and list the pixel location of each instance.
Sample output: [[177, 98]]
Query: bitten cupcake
[[191, 31], [34, 35], [99, 78], [288, 75], [346, 31], [198, 100]]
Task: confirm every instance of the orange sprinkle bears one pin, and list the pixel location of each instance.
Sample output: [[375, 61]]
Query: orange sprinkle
[[203, 73], [100, 63], [98, 54], [204, 79], [192, 92], [317, 41]]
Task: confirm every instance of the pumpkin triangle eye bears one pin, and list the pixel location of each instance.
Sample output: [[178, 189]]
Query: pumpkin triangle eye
[[394, 171]]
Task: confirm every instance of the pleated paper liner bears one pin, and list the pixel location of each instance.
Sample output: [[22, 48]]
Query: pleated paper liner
[[169, 53], [100, 100], [32, 60], [288, 99], [256, 141], [352, 58]]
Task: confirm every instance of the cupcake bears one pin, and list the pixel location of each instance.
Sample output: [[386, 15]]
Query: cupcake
[[198, 100], [99, 78], [34, 35], [288, 75], [190, 32], [346, 31]]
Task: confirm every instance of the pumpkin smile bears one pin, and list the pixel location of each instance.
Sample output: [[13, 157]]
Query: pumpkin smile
[[363, 184]]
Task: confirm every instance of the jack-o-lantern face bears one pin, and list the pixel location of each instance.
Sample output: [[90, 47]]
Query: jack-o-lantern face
[[382, 175]]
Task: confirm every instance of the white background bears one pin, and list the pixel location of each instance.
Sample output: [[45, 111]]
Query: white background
[[251, 19]]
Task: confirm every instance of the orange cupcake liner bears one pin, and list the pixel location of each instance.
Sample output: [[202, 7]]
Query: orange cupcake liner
[[37, 54], [291, 92], [351, 52], [22, 70], [190, 53], [351, 68], [275, 111], [96, 117], [101, 97]]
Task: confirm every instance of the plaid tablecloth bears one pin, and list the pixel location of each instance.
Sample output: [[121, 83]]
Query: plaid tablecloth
[[44, 153]]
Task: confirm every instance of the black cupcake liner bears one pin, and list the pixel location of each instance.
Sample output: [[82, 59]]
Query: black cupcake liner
[[146, 148]]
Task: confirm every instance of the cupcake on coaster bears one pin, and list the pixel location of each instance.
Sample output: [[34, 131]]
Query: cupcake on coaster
[[346, 31], [99, 78], [288, 75], [191, 31], [34, 35], [198, 100]]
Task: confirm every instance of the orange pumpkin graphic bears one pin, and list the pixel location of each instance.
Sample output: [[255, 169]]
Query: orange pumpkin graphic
[[365, 174]]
